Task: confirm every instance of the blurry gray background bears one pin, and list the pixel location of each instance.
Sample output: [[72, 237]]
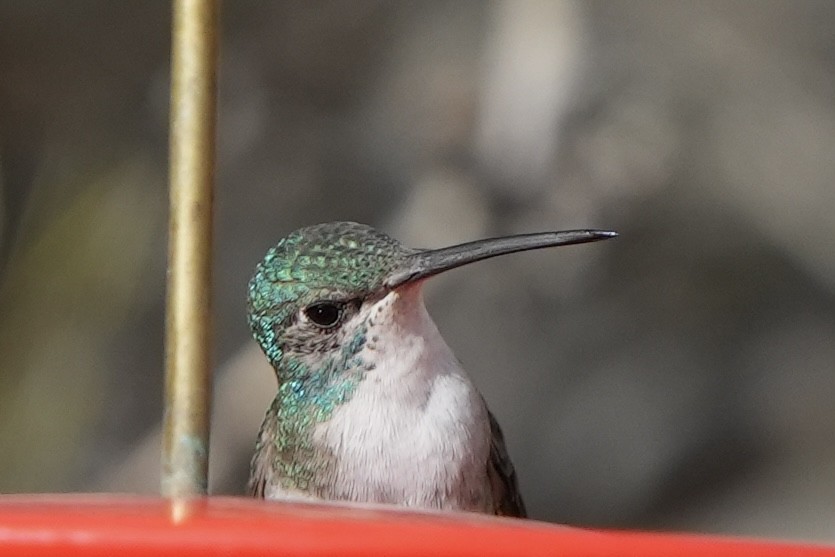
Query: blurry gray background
[[679, 377]]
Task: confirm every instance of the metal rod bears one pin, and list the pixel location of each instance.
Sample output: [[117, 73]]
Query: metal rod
[[188, 311]]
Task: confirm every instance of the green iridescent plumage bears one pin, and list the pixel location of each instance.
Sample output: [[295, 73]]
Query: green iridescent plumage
[[307, 397], [311, 264], [322, 262]]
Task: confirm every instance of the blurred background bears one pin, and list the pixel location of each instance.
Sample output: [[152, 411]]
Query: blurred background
[[680, 377]]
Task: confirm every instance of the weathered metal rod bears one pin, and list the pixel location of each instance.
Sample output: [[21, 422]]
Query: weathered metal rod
[[188, 310]]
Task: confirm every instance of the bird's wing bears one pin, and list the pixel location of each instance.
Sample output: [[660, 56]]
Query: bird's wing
[[261, 466], [507, 500], [257, 484]]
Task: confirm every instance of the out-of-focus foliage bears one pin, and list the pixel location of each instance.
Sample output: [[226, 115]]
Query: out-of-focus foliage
[[66, 291], [678, 377]]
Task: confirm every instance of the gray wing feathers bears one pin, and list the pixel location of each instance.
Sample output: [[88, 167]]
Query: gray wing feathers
[[507, 501], [257, 484]]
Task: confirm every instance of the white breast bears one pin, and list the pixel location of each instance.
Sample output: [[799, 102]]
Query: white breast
[[416, 431]]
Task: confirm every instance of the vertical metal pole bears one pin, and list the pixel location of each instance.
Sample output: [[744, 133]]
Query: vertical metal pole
[[188, 311]]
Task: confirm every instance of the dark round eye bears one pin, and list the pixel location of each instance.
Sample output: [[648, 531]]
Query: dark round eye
[[324, 314]]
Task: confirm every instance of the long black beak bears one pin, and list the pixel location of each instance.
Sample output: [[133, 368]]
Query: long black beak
[[425, 263]]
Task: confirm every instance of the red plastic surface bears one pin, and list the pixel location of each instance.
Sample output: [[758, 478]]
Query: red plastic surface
[[89, 525]]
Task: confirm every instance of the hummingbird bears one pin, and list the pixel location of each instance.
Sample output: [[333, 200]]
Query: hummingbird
[[372, 405]]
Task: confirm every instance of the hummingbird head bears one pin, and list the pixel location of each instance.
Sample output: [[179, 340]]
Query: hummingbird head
[[313, 282], [310, 295]]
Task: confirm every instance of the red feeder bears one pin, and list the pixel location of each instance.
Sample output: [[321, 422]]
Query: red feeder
[[93, 525]]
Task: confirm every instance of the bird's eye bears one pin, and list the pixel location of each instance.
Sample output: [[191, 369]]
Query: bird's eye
[[324, 314]]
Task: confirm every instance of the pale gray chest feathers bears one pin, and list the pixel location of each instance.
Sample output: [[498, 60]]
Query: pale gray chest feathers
[[429, 455], [415, 431]]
